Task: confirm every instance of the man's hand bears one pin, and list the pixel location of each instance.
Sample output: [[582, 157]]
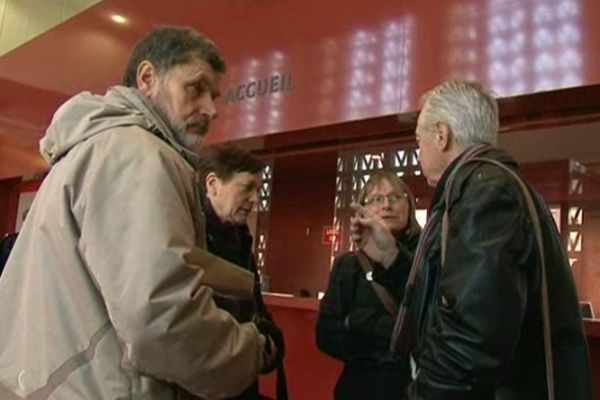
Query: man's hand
[[371, 234], [274, 346]]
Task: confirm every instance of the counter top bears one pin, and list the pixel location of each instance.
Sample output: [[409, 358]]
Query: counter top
[[286, 301], [592, 329]]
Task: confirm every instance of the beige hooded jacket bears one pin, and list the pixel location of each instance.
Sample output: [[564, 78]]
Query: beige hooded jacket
[[106, 295]]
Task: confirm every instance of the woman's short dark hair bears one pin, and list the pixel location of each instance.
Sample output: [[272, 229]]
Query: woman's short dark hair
[[167, 46], [225, 161], [413, 229]]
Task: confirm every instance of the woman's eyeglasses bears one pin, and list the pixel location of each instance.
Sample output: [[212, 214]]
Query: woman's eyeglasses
[[379, 199]]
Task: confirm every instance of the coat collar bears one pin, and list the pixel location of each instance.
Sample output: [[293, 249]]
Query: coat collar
[[481, 150]]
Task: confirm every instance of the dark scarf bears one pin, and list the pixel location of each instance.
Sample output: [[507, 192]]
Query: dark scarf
[[230, 242]]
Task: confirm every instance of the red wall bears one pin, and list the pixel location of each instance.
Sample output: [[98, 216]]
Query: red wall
[[349, 61], [595, 359], [8, 190], [311, 375], [593, 331], [302, 203]]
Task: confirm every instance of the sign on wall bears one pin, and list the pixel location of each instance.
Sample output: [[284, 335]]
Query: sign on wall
[[259, 88], [330, 235]]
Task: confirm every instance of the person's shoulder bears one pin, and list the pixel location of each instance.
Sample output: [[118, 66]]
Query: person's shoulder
[[474, 176], [484, 185], [346, 262], [137, 143], [133, 136]]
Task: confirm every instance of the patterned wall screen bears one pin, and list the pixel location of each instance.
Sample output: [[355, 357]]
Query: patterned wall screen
[[262, 216], [574, 234]]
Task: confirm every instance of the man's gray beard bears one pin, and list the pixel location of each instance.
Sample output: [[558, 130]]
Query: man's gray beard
[[187, 140]]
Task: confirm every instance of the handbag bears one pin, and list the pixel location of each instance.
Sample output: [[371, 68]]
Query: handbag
[[383, 295]]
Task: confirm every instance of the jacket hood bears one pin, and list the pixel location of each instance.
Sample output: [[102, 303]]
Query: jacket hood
[[86, 115]]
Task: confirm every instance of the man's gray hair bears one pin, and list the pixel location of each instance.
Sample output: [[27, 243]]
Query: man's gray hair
[[469, 111], [167, 46]]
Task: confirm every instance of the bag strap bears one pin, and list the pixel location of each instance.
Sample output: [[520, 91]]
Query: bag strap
[[281, 385], [384, 296], [535, 220]]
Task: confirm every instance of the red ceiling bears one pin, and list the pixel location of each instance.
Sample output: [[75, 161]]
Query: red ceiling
[[350, 60]]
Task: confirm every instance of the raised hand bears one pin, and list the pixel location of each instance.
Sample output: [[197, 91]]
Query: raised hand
[[372, 235]]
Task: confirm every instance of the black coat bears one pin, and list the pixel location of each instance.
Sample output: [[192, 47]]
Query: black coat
[[476, 324], [6, 245], [355, 328], [234, 244]]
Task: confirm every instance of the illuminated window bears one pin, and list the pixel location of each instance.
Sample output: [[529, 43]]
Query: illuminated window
[[556, 215], [380, 62], [421, 215], [262, 215], [531, 45]]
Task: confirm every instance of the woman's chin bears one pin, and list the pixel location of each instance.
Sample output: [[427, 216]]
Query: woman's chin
[[395, 227]]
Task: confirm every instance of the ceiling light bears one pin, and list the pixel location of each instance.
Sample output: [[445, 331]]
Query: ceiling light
[[119, 19]]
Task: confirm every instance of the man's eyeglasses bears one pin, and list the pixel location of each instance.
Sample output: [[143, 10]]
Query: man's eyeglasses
[[379, 199]]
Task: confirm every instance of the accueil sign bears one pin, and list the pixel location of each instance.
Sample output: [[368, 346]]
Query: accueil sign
[[259, 88]]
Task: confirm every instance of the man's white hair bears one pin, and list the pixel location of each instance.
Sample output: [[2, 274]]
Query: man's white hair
[[469, 111]]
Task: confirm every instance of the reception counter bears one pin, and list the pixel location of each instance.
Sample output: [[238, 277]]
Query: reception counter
[[312, 375], [592, 331]]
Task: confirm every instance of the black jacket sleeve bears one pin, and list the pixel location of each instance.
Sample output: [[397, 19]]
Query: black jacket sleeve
[[332, 326], [478, 307]]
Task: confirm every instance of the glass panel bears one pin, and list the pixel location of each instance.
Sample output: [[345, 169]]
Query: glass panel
[[421, 216]]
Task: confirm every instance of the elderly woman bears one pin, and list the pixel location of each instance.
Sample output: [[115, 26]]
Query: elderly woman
[[230, 182], [354, 325]]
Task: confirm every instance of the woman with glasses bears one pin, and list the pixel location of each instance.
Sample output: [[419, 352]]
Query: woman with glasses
[[354, 324]]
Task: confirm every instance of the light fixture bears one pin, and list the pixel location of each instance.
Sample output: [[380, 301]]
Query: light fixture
[[119, 19]]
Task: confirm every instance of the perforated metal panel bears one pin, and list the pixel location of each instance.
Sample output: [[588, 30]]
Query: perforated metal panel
[[262, 215]]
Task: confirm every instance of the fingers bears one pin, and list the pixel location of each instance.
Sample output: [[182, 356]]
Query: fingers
[[360, 224], [359, 229], [361, 217], [357, 224], [359, 210], [356, 238], [356, 230]]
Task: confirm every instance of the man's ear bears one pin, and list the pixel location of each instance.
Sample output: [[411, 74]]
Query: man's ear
[[442, 136], [146, 78], [211, 182]]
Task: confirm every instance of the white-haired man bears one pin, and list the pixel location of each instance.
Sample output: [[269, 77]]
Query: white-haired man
[[473, 314]]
